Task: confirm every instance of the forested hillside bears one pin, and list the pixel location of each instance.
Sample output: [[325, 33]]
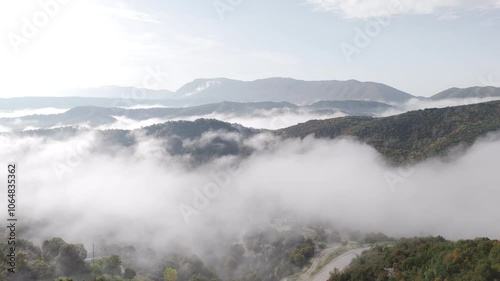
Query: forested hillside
[[404, 138], [411, 136], [427, 259], [259, 255]]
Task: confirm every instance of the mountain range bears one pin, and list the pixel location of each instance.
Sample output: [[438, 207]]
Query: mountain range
[[412, 136], [473, 92], [204, 91], [405, 138], [95, 116], [287, 89]]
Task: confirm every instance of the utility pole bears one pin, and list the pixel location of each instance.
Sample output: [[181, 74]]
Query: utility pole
[[93, 253]]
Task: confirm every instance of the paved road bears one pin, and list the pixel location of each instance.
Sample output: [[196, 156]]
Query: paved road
[[318, 259], [341, 262]]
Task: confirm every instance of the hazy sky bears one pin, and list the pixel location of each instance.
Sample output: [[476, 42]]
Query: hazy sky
[[421, 47]]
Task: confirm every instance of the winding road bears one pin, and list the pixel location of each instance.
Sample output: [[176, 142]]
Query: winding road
[[340, 263]]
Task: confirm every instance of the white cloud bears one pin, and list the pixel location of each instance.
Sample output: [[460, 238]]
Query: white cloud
[[27, 112], [363, 9], [418, 104], [203, 87], [343, 182]]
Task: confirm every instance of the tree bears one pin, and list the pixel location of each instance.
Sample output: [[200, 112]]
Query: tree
[[69, 260], [302, 253], [129, 273], [23, 271], [98, 267], [334, 237], [80, 249], [484, 271], [42, 269], [50, 248], [170, 274], [112, 265], [298, 259]]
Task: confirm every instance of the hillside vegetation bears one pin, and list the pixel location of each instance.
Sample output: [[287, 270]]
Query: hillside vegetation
[[427, 259], [412, 136], [403, 139]]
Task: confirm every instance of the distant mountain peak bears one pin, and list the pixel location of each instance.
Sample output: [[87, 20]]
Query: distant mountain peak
[[291, 90], [205, 85], [471, 92]]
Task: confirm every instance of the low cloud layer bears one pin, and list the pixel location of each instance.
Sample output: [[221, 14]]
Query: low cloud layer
[[141, 194], [417, 104], [274, 118], [262, 119], [27, 112], [270, 119]]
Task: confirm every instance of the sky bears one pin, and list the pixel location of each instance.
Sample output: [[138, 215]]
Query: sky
[[420, 47]]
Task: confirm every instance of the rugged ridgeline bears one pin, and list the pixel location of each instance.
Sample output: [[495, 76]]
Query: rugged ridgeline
[[287, 89], [404, 138], [411, 136], [197, 142], [204, 91], [97, 116], [472, 92]]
